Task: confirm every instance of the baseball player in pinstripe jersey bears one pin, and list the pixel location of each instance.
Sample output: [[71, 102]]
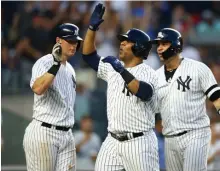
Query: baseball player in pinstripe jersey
[[131, 144], [48, 140], [184, 85]]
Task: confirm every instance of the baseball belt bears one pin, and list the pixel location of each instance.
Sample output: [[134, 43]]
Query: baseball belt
[[127, 136]]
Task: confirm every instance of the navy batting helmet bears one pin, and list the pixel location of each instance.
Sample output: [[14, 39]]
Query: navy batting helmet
[[142, 44], [172, 36], [69, 32]]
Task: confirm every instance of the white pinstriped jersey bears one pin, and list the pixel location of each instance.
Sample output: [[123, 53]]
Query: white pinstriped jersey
[[182, 100], [126, 112], [56, 105]]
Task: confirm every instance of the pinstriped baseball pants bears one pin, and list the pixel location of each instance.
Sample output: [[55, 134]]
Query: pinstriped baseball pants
[[137, 154], [188, 152], [47, 149]]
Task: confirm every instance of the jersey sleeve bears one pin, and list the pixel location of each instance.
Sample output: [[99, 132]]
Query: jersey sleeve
[[39, 68], [103, 70], [207, 80]]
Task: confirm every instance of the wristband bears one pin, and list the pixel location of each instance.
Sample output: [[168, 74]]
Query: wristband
[[127, 76], [92, 28], [54, 69]]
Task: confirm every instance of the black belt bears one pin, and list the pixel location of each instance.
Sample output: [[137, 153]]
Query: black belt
[[176, 135], [126, 137], [61, 128]]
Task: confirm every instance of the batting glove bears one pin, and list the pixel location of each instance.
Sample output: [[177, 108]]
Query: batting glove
[[116, 64], [96, 18], [57, 53]]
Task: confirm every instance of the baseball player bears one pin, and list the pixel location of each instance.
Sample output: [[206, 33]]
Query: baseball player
[[184, 85], [131, 144], [48, 140]]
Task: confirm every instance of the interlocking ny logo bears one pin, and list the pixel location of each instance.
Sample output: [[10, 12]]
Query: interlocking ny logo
[[126, 90], [184, 84]]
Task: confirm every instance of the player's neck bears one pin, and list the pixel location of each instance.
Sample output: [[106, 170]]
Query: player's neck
[[172, 63], [64, 61], [132, 63]]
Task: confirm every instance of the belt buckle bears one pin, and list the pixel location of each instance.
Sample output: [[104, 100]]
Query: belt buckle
[[118, 136], [53, 127], [130, 136]]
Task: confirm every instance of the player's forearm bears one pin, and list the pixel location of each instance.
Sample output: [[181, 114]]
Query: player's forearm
[[140, 89], [42, 83], [89, 42], [217, 104], [210, 159], [133, 86]]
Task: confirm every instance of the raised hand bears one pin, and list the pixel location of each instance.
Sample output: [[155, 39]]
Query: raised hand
[[57, 53], [116, 64], [96, 18]]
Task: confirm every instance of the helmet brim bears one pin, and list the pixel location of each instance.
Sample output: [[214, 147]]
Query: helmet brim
[[155, 41], [72, 38], [122, 37]]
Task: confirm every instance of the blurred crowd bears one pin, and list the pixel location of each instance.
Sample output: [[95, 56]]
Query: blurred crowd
[[27, 33], [28, 29]]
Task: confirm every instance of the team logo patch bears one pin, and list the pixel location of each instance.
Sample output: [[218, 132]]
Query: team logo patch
[[184, 84], [76, 32], [160, 35]]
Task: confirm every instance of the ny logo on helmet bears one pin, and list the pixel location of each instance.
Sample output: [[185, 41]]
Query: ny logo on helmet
[[160, 35], [76, 32], [184, 84]]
